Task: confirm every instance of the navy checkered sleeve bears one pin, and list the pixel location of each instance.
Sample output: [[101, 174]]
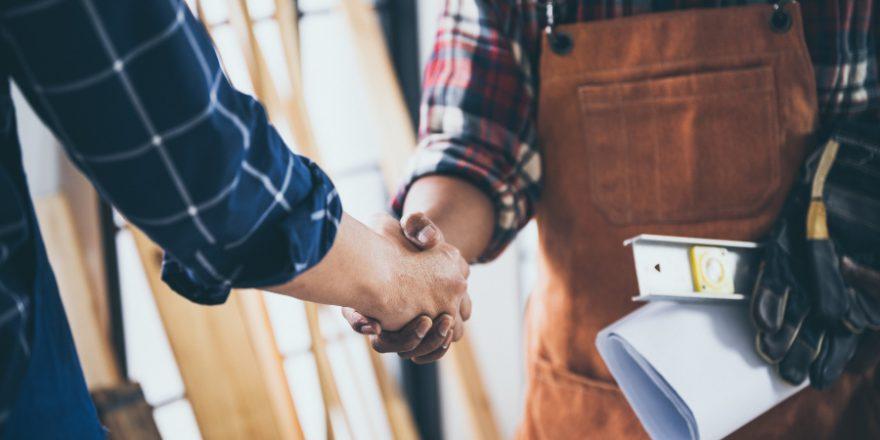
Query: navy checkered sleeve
[[134, 91]]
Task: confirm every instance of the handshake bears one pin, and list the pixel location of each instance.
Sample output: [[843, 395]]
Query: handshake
[[424, 301]]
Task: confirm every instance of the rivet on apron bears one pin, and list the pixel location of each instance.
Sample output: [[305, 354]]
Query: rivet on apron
[[780, 21], [560, 42]]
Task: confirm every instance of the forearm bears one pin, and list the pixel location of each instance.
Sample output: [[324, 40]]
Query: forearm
[[351, 273], [463, 213]]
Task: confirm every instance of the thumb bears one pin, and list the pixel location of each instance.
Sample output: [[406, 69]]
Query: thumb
[[360, 323], [421, 231]]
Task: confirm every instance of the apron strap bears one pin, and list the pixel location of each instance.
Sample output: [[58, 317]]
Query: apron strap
[[561, 43]]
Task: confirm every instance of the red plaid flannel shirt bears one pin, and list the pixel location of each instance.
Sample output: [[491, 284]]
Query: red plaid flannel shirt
[[480, 88]]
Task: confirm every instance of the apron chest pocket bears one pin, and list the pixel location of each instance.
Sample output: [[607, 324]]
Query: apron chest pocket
[[681, 149]]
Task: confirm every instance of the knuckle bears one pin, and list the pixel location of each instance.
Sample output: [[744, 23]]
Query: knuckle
[[425, 359], [406, 346], [460, 286], [409, 346], [380, 346], [450, 251], [456, 288]]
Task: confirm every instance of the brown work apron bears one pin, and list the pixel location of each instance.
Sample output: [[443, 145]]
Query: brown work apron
[[690, 123]]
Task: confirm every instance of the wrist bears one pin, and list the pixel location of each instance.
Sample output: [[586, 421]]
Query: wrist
[[355, 272], [376, 280], [463, 213]]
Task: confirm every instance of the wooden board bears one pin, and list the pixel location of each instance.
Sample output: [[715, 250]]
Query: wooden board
[[83, 202], [230, 365], [400, 419], [294, 113], [382, 89], [479, 407], [125, 413], [77, 292], [398, 145]]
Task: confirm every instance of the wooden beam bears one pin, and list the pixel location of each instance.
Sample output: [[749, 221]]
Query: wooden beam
[[125, 413], [338, 424], [398, 145], [383, 90], [295, 112], [466, 369], [200, 12], [290, 109], [231, 367], [68, 262], [400, 418], [300, 123], [296, 116], [82, 201]]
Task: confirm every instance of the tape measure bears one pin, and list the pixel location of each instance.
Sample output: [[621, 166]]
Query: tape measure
[[711, 269], [693, 269]]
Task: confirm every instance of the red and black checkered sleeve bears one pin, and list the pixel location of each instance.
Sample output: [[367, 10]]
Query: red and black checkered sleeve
[[478, 109]]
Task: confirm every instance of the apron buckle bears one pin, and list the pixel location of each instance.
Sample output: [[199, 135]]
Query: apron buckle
[[780, 21], [560, 42]]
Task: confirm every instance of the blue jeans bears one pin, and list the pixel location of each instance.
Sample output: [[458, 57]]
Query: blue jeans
[[53, 401]]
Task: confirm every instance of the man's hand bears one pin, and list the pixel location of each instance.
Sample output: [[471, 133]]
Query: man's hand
[[381, 274], [423, 340], [430, 281]]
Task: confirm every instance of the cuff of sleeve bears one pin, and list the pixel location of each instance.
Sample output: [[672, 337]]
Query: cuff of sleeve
[[188, 284], [283, 247], [513, 208]]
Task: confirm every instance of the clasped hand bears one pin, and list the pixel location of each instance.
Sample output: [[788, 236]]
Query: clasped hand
[[432, 303]]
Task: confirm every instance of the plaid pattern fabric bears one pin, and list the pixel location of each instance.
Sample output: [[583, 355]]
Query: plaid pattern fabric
[[481, 83], [135, 93]]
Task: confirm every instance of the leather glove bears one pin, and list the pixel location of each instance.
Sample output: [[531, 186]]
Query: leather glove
[[809, 305], [852, 196]]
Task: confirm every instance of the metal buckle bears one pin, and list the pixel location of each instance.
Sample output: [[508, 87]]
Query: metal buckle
[[780, 21], [560, 42]]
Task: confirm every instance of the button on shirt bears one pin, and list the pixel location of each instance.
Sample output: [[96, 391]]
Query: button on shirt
[[479, 98], [134, 92]]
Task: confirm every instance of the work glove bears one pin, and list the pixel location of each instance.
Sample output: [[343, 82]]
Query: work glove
[[810, 305]]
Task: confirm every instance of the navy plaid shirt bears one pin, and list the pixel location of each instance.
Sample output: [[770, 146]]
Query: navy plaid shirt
[[134, 91]]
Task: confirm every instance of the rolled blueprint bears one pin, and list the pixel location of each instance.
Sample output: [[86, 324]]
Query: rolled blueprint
[[690, 371]]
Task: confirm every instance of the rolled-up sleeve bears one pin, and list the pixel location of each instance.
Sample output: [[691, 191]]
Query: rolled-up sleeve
[[478, 108], [135, 93]]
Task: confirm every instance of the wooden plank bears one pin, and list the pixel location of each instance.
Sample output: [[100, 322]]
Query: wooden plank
[[338, 424], [67, 260], [383, 90], [230, 365], [400, 418], [83, 202], [290, 109], [300, 124], [479, 407], [295, 115], [398, 145], [125, 413], [293, 112], [200, 12]]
